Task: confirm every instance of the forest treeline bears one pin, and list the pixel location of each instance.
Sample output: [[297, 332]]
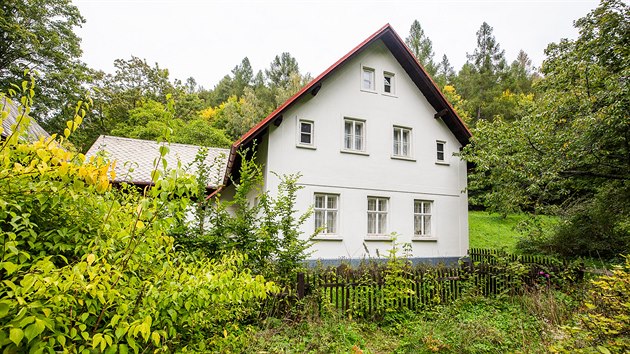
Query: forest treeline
[[553, 139]]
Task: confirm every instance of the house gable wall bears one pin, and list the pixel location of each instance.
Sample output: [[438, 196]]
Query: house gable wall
[[355, 177]]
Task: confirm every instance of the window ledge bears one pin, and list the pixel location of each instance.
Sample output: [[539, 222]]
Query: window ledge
[[424, 239], [390, 95], [302, 146], [443, 163], [368, 91], [327, 238], [354, 152], [378, 238], [406, 158]]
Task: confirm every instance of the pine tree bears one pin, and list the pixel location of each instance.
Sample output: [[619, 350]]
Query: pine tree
[[421, 47], [445, 72]]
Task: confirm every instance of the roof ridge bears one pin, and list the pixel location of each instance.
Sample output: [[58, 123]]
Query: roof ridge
[[157, 143]]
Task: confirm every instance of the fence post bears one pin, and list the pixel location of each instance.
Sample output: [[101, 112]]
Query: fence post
[[300, 285]]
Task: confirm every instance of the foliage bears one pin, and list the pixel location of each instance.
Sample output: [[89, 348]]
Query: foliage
[[39, 36], [421, 47], [281, 69], [596, 228], [471, 325], [572, 146], [130, 102], [445, 73], [479, 79], [149, 120], [89, 268], [263, 226], [603, 325]]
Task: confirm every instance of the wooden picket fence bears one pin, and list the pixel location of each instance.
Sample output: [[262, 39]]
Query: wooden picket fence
[[371, 290]]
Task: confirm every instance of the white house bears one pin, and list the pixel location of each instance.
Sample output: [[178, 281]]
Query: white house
[[375, 141]]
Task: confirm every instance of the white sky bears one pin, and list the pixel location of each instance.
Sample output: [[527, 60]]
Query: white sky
[[206, 39]]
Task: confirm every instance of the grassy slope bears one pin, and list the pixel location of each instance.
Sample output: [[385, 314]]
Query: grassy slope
[[493, 231]]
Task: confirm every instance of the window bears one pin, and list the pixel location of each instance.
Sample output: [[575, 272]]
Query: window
[[326, 209], [354, 135], [422, 218], [306, 132], [440, 150], [388, 83], [367, 79], [402, 141], [377, 216]]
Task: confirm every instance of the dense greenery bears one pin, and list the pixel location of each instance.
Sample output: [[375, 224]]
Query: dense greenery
[[38, 35], [85, 266], [89, 268], [569, 153], [265, 230]]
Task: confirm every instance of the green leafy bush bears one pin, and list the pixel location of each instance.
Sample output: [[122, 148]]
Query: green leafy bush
[[257, 223], [603, 325], [85, 267]]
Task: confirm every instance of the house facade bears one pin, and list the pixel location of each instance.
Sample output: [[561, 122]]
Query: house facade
[[375, 142]]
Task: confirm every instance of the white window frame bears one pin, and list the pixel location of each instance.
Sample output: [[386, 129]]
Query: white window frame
[[392, 83], [439, 143], [420, 216], [351, 145], [379, 215], [372, 72], [299, 133], [329, 229], [398, 147]]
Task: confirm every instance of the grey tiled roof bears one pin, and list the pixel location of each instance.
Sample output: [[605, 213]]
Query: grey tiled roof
[[33, 132], [135, 158]]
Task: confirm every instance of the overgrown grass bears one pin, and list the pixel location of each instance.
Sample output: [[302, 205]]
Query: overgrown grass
[[523, 324]]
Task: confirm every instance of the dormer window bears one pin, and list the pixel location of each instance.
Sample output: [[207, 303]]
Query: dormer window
[[367, 79], [388, 83]]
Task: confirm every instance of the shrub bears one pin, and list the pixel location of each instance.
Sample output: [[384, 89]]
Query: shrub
[[596, 228], [86, 267], [603, 325], [265, 229]]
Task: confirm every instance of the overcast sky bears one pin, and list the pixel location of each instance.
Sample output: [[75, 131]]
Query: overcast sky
[[206, 39]]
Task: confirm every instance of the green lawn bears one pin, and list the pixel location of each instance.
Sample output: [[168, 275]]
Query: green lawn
[[494, 231]]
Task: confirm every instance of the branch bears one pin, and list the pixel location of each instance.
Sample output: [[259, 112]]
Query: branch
[[594, 174]]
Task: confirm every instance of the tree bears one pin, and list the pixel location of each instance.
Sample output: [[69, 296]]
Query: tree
[[488, 56], [445, 72], [521, 74], [39, 36], [570, 153], [242, 77], [421, 47], [137, 85], [479, 80], [280, 71]]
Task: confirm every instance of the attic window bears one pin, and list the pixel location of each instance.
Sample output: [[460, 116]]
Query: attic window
[[367, 79], [305, 132], [388, 83], [440, 148]]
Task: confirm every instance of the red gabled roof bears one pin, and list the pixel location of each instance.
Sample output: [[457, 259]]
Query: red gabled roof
[[406, 59]]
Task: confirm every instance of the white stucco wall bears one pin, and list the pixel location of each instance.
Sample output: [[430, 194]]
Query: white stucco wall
[[354, 177]]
